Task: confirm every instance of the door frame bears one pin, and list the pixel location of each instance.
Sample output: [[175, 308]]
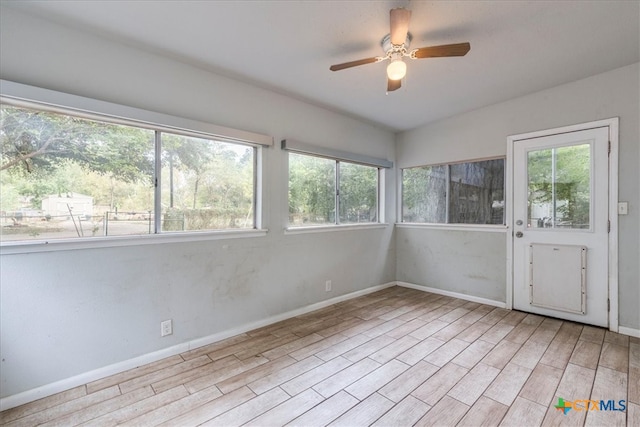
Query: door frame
[[613, 125]]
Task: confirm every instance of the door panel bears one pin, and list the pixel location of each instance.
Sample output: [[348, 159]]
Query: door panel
[[558, 277], [560, 215]]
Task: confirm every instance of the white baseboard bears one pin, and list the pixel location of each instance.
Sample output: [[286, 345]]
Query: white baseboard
[[87, 377], [466, 297], [629, 331], [621, 329]]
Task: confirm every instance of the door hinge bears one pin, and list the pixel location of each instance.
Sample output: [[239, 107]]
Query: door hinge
[[609, 151], [608, 226], [608, 305]]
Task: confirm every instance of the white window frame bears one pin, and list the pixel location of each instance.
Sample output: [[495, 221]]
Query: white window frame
[[338, 156], [19, 95]]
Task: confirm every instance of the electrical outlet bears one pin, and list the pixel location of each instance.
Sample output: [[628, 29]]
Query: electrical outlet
[[327, 286], [166, 328]]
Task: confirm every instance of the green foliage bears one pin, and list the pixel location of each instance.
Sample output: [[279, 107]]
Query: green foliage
[[206, 184], [312, 190], [358, 193], [571, 189], [31, 140]]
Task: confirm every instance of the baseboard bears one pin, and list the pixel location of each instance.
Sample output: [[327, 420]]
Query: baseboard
[[466, 297], [87, 377], [629, 331]]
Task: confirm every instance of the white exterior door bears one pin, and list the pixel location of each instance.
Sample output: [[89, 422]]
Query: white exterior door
[[560, 223]]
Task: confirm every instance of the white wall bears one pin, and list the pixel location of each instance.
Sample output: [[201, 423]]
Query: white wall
[[69, 312], [461, 263]]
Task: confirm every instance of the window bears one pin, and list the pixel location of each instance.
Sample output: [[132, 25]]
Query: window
[[358, 195], [559, 187], [312, 190], [206, 184], [460, 193], [330, 187], [63, 176]]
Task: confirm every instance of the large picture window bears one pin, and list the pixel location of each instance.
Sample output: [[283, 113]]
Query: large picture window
[[64, 177], [460, 193]]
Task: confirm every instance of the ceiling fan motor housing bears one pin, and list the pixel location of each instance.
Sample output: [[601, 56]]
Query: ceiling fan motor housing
[[387, 46]]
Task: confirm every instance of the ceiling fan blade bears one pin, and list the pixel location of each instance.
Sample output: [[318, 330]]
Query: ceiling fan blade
[[393, 85], [399, 25], [457, 49], [344, 65]]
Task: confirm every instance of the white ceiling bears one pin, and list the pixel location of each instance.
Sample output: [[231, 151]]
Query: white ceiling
[[517, 47]]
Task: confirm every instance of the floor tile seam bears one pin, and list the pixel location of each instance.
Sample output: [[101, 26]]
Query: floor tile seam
[[369, 339], [500, 403], [519, 390], [248, 423], [512, 356], [190, 370], [530, 401], [68, 414], [288, 353], [261, 365], [387, 411], [86, 393], [106, 400], [345, 390], [614, 369], [244, 372], [196, 407], [313, 385], [249, 356], [208, 351], [540, 358], [440, 399], [290, 379], [86, 385]]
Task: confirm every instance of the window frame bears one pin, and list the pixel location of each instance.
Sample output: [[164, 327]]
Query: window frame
[[450, 225], [338, 157], [24, 96]]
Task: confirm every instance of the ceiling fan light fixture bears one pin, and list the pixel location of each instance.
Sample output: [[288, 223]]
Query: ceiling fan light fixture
[[395, 46], [397, 69]]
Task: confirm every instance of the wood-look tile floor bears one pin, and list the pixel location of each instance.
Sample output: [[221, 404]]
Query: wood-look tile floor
[[397, 357]]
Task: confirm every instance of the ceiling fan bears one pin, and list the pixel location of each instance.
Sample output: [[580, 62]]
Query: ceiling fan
[[396, 47]]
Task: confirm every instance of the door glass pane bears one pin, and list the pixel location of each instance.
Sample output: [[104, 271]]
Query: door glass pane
[[358, 193], [559, 187], [424, 194]]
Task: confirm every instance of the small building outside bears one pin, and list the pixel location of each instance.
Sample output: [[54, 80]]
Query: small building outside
[[58, 206]]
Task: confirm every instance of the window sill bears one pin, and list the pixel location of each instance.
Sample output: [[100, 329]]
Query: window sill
[[327, 228], [455, 227], [9, 248]]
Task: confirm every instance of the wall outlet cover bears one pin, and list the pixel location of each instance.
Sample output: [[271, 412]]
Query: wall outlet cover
[[166, 328]]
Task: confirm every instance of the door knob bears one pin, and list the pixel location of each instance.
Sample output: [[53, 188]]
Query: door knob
[[519, 234]]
